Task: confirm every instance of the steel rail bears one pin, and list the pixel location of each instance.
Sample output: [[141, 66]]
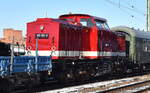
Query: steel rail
[[129, 88]]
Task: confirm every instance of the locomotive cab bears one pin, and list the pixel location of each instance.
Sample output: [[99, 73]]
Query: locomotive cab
[[86, 20], [78, 19]]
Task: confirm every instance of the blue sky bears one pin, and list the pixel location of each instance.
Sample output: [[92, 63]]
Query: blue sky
[[16, 13]]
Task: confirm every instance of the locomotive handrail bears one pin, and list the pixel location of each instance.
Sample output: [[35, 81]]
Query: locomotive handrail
[[36, 58], [12, 57]]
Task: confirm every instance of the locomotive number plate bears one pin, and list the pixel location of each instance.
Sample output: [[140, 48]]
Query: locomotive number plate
[[41, 36]]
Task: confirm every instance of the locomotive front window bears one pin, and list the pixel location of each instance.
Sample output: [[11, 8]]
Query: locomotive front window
[[86, 22], [101, 24]]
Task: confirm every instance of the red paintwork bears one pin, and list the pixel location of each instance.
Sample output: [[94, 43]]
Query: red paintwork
[[72, 36], [122, 43], [34, 27]]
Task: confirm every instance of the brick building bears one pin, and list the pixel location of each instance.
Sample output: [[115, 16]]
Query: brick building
[[10, 35]]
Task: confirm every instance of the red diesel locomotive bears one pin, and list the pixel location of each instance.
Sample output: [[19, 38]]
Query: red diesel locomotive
[[81, 46]]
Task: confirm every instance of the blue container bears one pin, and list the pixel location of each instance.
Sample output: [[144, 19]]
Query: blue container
[[24, 64]]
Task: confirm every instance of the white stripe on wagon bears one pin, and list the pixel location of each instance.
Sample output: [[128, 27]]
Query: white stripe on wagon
[[77, 53]]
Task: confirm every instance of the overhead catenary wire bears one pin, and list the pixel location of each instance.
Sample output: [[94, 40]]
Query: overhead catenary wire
[[132, 16], [132, 8], [128, 10], [125, 8]]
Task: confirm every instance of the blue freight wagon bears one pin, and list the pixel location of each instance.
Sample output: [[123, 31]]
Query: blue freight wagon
[[23, 70]]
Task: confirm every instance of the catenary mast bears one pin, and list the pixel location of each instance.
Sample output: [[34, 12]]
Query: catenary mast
[[148, 15]]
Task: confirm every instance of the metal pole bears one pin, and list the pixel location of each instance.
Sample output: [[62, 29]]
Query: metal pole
[[148, 15], [12, 56], [119, 3], [36, 58]]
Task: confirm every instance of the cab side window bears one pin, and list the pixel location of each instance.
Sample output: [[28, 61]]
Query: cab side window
[[101, 24], [86, 22], [68, 19]]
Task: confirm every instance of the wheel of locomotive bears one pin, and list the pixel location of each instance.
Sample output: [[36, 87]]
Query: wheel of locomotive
[[92, 72], [66, 76], [81, 74]]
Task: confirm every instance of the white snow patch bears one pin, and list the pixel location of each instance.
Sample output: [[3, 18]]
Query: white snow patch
[[75, 89]]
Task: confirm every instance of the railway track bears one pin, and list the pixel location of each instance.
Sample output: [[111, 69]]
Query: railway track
[[137, 87], [134, 84], [100, 85]]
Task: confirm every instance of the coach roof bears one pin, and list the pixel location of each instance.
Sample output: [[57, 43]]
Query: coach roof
[[132, 32]]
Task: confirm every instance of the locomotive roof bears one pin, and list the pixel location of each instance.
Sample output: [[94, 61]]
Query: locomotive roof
[[133, 32], [97, 18], [74, 15]]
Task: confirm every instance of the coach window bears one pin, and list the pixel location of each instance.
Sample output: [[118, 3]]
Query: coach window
[[86, 22], [145, 48]]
